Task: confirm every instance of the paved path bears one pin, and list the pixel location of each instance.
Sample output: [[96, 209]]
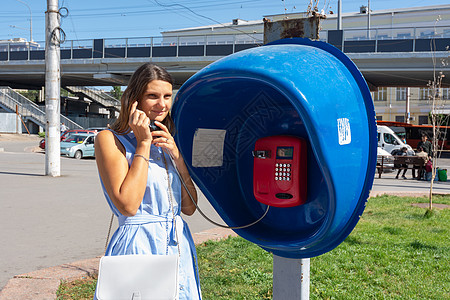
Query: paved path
[[388, 183], [43, 219]]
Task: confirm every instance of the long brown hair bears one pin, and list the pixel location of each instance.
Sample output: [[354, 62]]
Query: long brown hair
[[134, 92]]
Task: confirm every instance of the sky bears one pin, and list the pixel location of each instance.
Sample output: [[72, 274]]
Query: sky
[[146, 18]]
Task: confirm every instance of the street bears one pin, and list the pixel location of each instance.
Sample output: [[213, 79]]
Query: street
[[49, 221]]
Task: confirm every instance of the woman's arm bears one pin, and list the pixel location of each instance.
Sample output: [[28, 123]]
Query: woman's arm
[[124, 185]]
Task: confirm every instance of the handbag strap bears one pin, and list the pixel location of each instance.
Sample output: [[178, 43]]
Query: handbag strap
[[109, 231], [171, 206]]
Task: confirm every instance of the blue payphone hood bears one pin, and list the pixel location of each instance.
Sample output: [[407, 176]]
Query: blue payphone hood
[[294, 87]]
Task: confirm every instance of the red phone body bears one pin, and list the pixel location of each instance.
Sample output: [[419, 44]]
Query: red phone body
[[280, 171]]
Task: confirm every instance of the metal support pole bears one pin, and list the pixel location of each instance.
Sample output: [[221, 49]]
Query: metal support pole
[[17, 119], [290, 278], [407, 111], [52, 90], [339, 22]]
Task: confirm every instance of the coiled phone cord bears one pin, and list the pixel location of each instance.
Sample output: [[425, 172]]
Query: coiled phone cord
[[203, 214]]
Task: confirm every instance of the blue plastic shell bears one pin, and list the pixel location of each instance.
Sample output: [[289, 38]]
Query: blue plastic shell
[[292, 87]]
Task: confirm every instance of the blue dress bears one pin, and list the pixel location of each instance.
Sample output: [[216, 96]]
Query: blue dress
[[151, 230]]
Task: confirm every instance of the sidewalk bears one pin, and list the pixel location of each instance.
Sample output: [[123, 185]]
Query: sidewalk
[[43, 284]]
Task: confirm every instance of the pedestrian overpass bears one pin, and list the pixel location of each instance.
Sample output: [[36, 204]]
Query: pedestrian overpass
[[386, 57]]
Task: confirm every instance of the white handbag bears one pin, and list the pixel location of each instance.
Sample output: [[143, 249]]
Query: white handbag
[[138, 277], [141, 276]]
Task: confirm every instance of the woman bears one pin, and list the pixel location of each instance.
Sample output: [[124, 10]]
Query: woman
[[133, 163]]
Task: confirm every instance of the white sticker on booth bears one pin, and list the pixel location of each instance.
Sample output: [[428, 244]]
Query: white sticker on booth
[[207, 147], [344, 133]]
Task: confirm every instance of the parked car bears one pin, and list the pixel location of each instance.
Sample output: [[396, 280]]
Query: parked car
[[387, 158], [78, 145], [97, 129], [74, 131], [65, 134]]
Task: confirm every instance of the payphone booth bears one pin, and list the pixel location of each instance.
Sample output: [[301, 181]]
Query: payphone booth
[[286, 129]]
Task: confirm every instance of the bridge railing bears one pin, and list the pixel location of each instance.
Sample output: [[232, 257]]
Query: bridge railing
[[25, 107], [398, 39], [96, 95]]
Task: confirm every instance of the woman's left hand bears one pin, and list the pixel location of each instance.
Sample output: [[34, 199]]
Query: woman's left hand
[[162, 138]]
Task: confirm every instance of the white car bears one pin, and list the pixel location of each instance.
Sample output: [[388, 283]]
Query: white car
[[389, 141], [386, 158]]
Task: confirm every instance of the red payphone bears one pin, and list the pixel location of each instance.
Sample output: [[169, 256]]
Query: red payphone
[[280, 170]]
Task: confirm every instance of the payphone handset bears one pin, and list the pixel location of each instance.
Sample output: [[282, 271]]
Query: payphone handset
[[280, 171]]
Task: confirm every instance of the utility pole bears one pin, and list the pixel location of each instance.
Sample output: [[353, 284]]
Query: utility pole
[[52, 90], [407, 111]]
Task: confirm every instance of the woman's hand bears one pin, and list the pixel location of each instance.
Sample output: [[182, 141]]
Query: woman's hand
[[162, 138], [139, 123]]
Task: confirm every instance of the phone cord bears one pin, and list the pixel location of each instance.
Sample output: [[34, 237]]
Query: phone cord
[[204, 216]]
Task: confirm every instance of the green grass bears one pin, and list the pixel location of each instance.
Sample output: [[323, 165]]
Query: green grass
[[395, 252], [79, 289]]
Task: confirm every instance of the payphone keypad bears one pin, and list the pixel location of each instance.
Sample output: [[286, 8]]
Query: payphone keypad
[[282, 172]]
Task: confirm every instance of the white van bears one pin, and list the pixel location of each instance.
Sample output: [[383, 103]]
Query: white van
[[389, 141]]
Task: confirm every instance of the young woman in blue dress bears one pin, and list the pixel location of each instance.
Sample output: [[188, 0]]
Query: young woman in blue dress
[[137, 169]]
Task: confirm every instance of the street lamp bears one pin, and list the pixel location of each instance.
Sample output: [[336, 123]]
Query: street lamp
[[31, 19]]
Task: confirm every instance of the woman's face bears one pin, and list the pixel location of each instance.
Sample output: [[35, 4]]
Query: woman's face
[[156, 100]]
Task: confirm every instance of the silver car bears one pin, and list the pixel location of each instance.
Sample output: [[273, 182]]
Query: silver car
[[78, 145]]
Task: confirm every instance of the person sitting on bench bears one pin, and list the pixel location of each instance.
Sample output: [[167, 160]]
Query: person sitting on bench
[[400, 152], [420, 153]]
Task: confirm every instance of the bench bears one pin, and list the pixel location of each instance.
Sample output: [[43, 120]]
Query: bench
[[410, 162], [381, 166]]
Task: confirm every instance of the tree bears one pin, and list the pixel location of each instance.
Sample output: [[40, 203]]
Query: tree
[[437, 120], [116, 92], [32, 95]]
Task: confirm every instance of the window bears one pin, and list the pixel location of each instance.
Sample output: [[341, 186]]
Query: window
[[446, 94], [403, 35], [401, 93], [424, 93], [379, 118], [399, 118], [389, 139], [423, 120], [427, 34], [380, 94]]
